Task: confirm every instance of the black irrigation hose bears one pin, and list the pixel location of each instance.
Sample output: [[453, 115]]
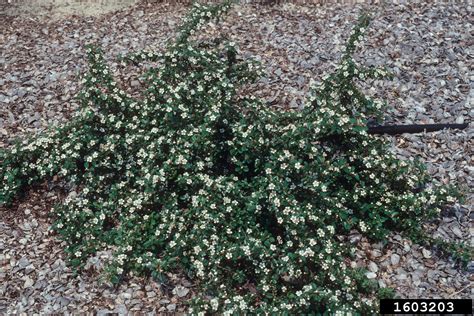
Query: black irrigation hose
[[412, 129]]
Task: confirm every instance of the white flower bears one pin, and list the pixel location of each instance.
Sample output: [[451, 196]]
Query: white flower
[[214, 303], [320, 232]]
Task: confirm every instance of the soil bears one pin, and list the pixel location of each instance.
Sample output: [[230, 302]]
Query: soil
[[57, 9]]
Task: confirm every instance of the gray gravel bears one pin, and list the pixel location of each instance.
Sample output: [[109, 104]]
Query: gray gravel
[[427, 46]]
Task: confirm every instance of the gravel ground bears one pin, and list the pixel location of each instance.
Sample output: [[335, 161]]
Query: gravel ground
[[428, 46]]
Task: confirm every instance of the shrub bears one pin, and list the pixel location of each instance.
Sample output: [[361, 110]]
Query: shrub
[[252, 203]]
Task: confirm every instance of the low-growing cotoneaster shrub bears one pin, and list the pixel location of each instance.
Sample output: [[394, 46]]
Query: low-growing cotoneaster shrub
[[253, 204]]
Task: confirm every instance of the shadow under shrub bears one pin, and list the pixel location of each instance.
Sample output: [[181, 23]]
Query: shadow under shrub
[[251, 203]]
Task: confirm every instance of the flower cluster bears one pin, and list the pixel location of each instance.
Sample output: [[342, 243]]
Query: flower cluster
[[251, 203]]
